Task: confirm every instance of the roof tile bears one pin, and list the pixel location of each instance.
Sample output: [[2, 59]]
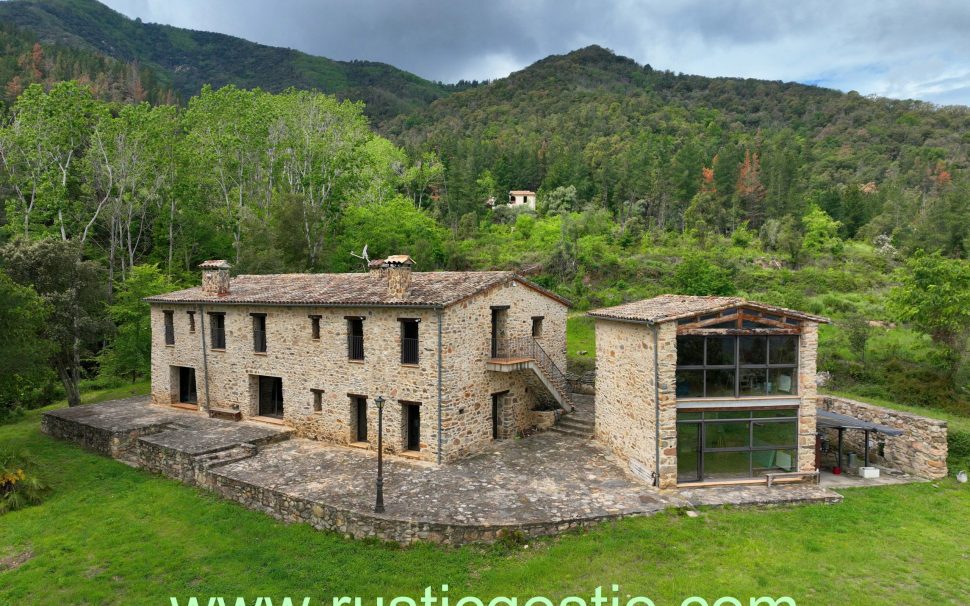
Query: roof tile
[[426, 289], [665, 308]]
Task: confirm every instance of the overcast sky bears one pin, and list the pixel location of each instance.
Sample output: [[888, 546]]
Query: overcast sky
[[917, 49]]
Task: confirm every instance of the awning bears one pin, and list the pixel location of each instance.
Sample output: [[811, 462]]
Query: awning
[[834, 420]]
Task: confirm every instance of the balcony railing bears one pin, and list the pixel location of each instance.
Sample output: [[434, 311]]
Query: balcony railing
[[528, 348], [409, 351], [259, 340], [355, 347]]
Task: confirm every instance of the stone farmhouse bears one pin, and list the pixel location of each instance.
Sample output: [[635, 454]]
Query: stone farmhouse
[[702, 390], [461, 358]]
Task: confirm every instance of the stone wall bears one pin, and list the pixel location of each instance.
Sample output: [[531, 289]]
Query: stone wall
[[305, 364], [625, 414], [115, 444], [469, 385], [353, 524], [921, 450]]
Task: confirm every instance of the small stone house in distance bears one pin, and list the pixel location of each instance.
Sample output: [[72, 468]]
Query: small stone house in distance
[[521, 197], [461, 358], [693, 390]]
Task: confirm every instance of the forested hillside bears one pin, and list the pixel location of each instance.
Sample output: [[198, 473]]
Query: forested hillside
[[24, 61], [185, 60], [686, 152], [851, 207]]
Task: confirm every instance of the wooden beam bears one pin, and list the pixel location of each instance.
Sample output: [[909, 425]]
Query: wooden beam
[[726, 332], [763, 320], [710, 321]]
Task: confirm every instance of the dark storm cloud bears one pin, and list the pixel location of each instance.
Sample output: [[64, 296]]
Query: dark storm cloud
[[892, 48]]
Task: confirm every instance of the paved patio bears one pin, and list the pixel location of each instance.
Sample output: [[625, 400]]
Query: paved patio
[[542, 484]]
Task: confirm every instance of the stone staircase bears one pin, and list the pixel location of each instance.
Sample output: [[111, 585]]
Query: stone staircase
[[573, 426], [579, 422], [526, 353], [224, 457]]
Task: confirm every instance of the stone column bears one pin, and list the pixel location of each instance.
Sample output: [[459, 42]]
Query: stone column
[[667, 367], [807, 354]]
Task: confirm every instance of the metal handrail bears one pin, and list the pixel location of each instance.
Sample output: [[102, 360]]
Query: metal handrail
[[530, 348]]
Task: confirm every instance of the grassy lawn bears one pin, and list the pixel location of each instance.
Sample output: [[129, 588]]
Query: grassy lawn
[[580, 336], [110, 534], [127, 390]]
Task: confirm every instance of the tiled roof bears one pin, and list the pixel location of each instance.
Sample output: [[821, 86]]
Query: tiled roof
[[666, 308], [427, 289], [522, 192]]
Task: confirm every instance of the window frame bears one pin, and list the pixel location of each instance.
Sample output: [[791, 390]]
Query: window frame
[[220, 343], [355, 349], [738, 366], [703, 423], [537, 322], [410, 352], [169, 326], [259, 333]]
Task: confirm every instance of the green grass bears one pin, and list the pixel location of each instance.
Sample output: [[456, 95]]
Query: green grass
[[580, 336], [93, 396], [110, 534]]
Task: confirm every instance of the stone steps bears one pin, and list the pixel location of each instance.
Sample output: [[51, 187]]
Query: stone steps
[[571, 432], [574, 426], [227, 456]]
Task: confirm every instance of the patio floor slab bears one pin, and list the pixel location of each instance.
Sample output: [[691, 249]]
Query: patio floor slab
[[543, 484]]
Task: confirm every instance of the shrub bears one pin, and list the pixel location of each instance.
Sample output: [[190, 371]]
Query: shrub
[[19, 487], [697, 276]]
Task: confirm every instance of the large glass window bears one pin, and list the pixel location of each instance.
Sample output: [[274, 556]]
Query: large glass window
[[731, 444], [737, 366]]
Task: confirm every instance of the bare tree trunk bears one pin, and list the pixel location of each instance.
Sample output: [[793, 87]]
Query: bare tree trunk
[[71, 387], [171, 234], [111, 259]]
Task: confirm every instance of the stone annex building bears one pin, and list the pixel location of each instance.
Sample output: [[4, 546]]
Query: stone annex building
[[707, 389], [461, 358]]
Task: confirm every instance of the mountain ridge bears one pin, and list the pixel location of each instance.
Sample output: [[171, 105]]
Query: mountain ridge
[[187, 59]]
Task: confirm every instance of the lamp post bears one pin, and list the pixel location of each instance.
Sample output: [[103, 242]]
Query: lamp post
[[379, 506]]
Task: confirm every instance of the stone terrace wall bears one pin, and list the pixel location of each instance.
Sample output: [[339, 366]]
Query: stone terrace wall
[[921, 451], [354, 524]]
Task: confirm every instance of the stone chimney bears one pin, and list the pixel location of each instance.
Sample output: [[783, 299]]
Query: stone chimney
[[376, 267], [398, 269], [215, 277]]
